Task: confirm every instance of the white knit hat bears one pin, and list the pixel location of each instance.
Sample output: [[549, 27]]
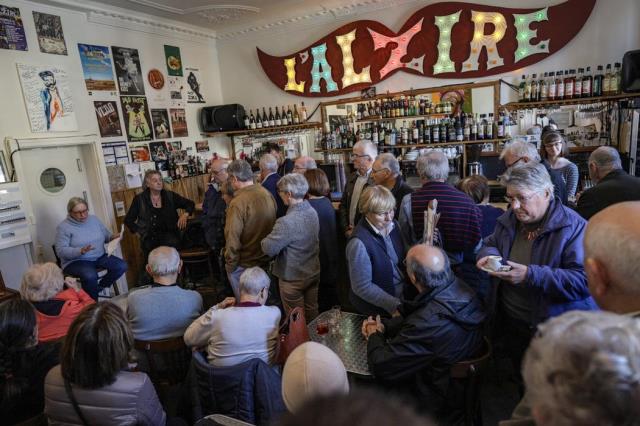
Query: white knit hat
[[311, 370]]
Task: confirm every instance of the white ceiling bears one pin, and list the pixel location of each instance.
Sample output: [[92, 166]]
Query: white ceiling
[[221, 16]]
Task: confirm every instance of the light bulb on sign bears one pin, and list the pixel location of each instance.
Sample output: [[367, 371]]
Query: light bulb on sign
[[445, 24], [489, 42], [290, 65], [320, 61], [526, 34]]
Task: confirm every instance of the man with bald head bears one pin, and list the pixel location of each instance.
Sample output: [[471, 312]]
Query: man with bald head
[[612, 184], [441, 326], [304, 163], [612, 248]]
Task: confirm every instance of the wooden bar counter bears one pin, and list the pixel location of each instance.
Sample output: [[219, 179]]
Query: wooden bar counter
[[192, 188]]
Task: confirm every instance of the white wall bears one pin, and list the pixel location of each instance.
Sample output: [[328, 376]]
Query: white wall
[[610, 31], [77, 29]]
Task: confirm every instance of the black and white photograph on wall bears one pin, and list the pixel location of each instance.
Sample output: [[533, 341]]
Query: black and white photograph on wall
[[178, 123], [136, 118], [108, 118], [202, 146], [161, 127], [47, 96], [128, 70], [176, 91], [368, 93], [50, 35], [174, 146], [11, 29], [194, 89], [158, 151]]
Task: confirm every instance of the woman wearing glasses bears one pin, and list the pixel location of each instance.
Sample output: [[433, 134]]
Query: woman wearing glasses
[[375, 255], [540, 240], [80, 240], [555, 152]]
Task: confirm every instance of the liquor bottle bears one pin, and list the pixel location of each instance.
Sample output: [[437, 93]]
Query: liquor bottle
[[568, 85], [483, 123], [466, 133], [404, 132], [258, 119], [443, 130], [459, 130], [560, 85], [426, 132], [367, 131], [394, 135], [616, 83], [598, 82], [474, 129], [303, 113], [420, 130], [247, 122], [606, 87], [435, 132], [415, 133], [489, 129], [451, 131], [289, 114], [544, 87], [541, 82], [534, 88], [252, 120], [552, 88], [587, 84], [500, 128], [375, 135], [521, 89], [577, 87], [278, 121], [296, 116]]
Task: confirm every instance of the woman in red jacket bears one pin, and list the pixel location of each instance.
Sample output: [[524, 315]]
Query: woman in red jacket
[[57, 301]]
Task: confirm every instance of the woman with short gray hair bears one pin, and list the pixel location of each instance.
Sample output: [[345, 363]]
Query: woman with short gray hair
[[538, 241], [375, 253], [583, 369], [295, 245]]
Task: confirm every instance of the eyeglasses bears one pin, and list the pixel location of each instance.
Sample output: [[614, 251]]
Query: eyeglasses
[[355, 156], [514, 163], [389, 214], [373, 172], [81, 212], [299, 168], [215, 172], [521, 199]]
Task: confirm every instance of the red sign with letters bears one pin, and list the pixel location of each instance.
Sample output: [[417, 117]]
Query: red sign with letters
[[442, 40]]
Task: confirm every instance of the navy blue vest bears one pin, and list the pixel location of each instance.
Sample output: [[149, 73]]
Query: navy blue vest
[[382, 271]]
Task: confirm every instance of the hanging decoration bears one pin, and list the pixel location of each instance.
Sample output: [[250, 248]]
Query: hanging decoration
[[450, 40]]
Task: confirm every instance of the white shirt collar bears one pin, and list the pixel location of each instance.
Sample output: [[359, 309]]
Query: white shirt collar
[[379, 232]]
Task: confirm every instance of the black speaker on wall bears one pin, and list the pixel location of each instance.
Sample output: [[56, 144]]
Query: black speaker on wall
[[631, 71], [222, 118]]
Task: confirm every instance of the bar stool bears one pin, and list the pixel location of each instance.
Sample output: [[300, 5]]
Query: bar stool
[[195, 256]]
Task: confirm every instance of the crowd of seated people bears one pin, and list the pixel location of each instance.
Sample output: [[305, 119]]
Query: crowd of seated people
[[425, 308]]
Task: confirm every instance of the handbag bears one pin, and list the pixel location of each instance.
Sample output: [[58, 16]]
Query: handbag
[[293, 333]]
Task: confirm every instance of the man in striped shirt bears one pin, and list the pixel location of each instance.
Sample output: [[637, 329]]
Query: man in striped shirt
[[459, 223]]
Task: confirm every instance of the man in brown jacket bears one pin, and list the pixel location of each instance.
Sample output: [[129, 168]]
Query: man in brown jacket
[[250, 217]]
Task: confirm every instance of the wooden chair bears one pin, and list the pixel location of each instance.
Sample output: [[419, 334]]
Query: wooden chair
[[469, 373], [195, 256], [168, 360]]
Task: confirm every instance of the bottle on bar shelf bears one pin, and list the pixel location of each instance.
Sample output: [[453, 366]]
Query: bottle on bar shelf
[[598, 82], [606, 86]]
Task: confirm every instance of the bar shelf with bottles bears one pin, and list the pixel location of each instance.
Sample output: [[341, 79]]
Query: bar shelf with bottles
[[568, 88]]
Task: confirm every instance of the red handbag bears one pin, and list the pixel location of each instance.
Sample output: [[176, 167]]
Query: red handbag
[[293, 333]]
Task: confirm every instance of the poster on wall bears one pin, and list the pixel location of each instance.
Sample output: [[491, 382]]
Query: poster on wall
[[11, 29], [115, 153], [128, 70], [178, 123], [161, 127], [96, 67], [50, 35], [108, 118], [140, 153], [47, 97], [194, 95], [136, 118], [158, 151], [173, 60], [176, 91], [202, 146], [174, 146]]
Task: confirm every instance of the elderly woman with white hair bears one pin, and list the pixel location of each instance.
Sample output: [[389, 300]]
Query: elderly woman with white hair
[[295, 244], [57, 301], [540, 241], [583, 369], [375, 255], [236, 331], [80, 240]]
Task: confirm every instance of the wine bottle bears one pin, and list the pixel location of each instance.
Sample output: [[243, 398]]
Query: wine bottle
[[272, 120], [289, 114], [296, 116], [258, 119], [278, 120], [285, 121], [252, 120], [303, 113]]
